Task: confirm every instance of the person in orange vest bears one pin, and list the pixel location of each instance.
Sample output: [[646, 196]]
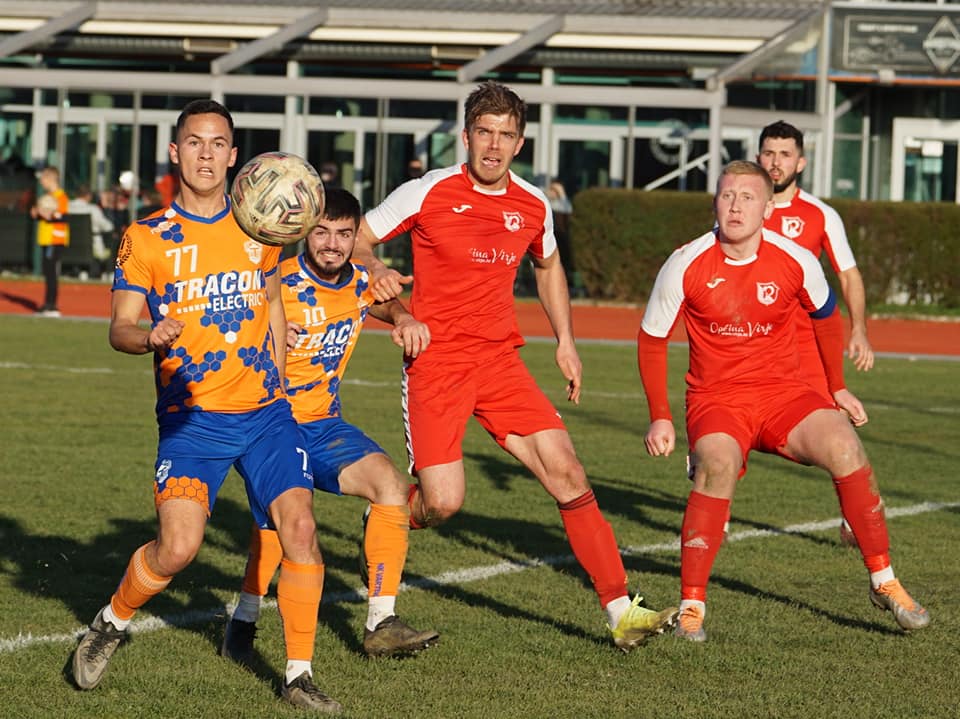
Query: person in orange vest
[[53, 234]]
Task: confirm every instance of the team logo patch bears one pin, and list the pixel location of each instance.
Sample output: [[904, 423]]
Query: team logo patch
[[513, 221], [767, 293], [791, 227], [163, 471], [254, 251], [125, 250]]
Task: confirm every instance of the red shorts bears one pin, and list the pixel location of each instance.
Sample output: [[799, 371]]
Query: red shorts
[[757, 418], [499, 391]]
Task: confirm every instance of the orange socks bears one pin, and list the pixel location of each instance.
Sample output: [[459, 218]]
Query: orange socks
[[595, 547], [138, 586], [386, 547], [262, 561], [700, 538], [298, 599], [863, 509]]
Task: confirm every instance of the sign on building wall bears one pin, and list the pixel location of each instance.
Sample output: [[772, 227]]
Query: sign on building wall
[[905, 42]]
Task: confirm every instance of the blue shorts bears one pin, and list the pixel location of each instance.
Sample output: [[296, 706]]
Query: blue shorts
[[334, 445], [197, 449]]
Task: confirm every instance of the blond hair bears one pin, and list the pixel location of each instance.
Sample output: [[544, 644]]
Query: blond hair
[[747, 167]]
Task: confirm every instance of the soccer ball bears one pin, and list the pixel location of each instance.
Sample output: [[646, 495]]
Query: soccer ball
[[277, 198], [47, 205]]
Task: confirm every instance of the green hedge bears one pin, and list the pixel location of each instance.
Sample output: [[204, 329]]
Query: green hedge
[[907, 252]]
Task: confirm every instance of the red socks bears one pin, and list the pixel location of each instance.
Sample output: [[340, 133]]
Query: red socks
[[862, 507], [700, 538], [595, 547]]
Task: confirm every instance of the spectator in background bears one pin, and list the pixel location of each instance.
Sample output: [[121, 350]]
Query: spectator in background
[[414, 169], [167, 186], [83, 204], [17, 176], [562, 209], [53, 234], [330, 174], [151, 201], [115, 203]]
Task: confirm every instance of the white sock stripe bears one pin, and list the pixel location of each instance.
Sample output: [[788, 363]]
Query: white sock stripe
[[406, 418]]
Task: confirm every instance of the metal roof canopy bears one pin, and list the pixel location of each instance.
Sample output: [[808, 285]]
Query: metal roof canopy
[[252, 50], [218, 82], [69, 19], [494, 58]]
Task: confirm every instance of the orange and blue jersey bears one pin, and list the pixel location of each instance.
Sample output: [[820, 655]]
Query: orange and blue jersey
[[207, 273], [331, 315]]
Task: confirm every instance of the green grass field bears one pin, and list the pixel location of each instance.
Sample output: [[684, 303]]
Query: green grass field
[[791, 630]]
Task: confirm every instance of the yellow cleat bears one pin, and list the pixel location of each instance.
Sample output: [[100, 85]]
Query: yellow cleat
[[638, 623]]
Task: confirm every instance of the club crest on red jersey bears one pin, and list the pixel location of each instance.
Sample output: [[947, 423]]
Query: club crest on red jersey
[[767, 292], [791, 227], [513, 221]]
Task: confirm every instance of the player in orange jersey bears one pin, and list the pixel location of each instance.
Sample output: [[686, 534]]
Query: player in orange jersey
[[216, 317], [811, 223], [327, 298], [53, 234], [471, 225], [737, 288]]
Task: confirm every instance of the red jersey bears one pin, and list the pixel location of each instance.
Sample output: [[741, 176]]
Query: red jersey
[[332, 316], [738, 313], [813, 224], [467, 246], [207, 273], [816, 226]]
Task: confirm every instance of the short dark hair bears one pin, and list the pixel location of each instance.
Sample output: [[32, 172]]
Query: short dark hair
[[494, 98], [782, 131], [341, 205], [204, 107]]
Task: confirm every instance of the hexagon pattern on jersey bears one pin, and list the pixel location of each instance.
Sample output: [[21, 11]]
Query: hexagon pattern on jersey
[[172, 231], [261, 360], [189, 372]]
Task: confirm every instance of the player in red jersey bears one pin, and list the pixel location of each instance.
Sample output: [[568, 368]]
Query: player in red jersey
[[214, 300], [470, 227], [811, 223], [327, 298], [737, 289]]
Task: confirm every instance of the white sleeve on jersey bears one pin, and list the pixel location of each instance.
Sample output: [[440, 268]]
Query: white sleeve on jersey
[[666, 298], [549, 237], [403, 203], [836, 234]]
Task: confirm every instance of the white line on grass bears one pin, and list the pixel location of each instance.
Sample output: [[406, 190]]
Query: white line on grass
[[458, 576]]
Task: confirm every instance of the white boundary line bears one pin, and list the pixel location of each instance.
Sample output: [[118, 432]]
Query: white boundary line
[[457, 576]]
